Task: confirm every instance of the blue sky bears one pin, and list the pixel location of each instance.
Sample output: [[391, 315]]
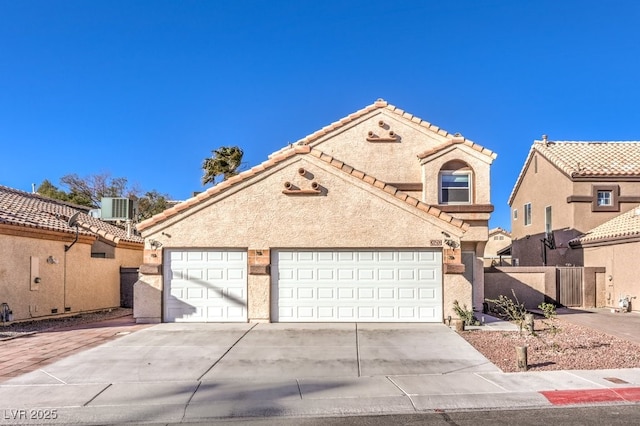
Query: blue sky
[[146, 89]]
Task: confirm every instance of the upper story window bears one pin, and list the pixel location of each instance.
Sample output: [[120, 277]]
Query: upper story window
[[456, 183], [527, 214], [605, 198], [455, 187], [515, 214], [548, 225]]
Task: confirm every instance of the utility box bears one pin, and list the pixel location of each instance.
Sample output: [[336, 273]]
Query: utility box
[[115, 208]]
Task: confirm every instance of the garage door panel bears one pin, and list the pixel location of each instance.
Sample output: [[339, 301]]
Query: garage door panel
[[346, 293], [194, 256], [366, 293], [341, 285], [305, 293], [206, 286], [406, 275], [427, 294], [305, 274], [386, 293], [326, 313]]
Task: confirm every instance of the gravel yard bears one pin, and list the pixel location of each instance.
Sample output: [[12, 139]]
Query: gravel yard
[[572, 347], [18, 329]]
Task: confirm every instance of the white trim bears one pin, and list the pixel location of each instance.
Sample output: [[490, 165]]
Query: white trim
[[530, 214]]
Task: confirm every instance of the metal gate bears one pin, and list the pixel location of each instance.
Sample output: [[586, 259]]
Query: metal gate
[[128, 277], [569, 286]]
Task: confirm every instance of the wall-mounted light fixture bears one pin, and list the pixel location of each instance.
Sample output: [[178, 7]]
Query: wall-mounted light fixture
[[450, 241], [155, 244], [52, 260]]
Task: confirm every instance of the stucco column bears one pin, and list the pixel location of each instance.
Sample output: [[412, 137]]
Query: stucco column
[[259, 285], [147, 291]]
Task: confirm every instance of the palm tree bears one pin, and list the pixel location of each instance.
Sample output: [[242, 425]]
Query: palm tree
[[225, 161]]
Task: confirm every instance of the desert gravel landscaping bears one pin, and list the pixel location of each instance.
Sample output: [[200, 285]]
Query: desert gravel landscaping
[[18, 329], [572, 347]]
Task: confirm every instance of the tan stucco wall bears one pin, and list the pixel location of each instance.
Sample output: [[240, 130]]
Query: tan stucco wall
[[352, 214], [585, 220], [622, 273], [529, 284], [456, 287], [349, 214], [90, 283], [479, 163], [547, 187], [387, 161]]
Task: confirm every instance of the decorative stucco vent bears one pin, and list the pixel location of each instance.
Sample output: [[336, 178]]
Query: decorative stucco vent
[[389, 137], [291, 189]]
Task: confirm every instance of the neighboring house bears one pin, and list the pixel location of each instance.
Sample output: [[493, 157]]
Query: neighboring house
[[499, 240], [615, 245], [564, 190], [50, 268], [379, 216]]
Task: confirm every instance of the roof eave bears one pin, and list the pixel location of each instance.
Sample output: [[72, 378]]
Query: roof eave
[[606, 241]]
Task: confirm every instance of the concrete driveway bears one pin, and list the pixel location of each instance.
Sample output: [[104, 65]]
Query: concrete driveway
[[178, 372], [208, 352]]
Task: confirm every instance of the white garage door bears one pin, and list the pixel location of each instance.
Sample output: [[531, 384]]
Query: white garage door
[[357, 285], [205, 286]]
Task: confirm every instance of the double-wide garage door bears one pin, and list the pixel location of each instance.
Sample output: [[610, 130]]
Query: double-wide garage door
[[205, 286], [357, 285], [307, 285]]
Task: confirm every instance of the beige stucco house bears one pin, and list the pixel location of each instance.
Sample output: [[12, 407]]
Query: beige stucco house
[[49, 268], [499, 240], [566, 189], [380, 216], [615, 245]]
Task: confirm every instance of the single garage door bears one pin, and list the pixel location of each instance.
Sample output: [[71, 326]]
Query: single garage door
[[357, 285], [205, 286]]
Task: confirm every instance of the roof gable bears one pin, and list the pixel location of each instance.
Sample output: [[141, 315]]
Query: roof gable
[[580, 159], [451, 144], [382, 105], [288, 155], [496, 231]]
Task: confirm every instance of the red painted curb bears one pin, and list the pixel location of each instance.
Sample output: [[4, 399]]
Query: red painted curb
[[583, 396]]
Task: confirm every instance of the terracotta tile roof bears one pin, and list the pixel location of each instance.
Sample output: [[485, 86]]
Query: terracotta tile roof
[[382, 104], [286, 154], [457, 140], [434, 211], [35, 211], [499, 230], [624, 226], [582, 159], [593, 158]]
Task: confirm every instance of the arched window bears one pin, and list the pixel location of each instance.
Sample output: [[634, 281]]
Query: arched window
[[455, 183]]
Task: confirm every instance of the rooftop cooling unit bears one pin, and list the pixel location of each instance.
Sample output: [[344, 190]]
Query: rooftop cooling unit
[[117, 208]]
